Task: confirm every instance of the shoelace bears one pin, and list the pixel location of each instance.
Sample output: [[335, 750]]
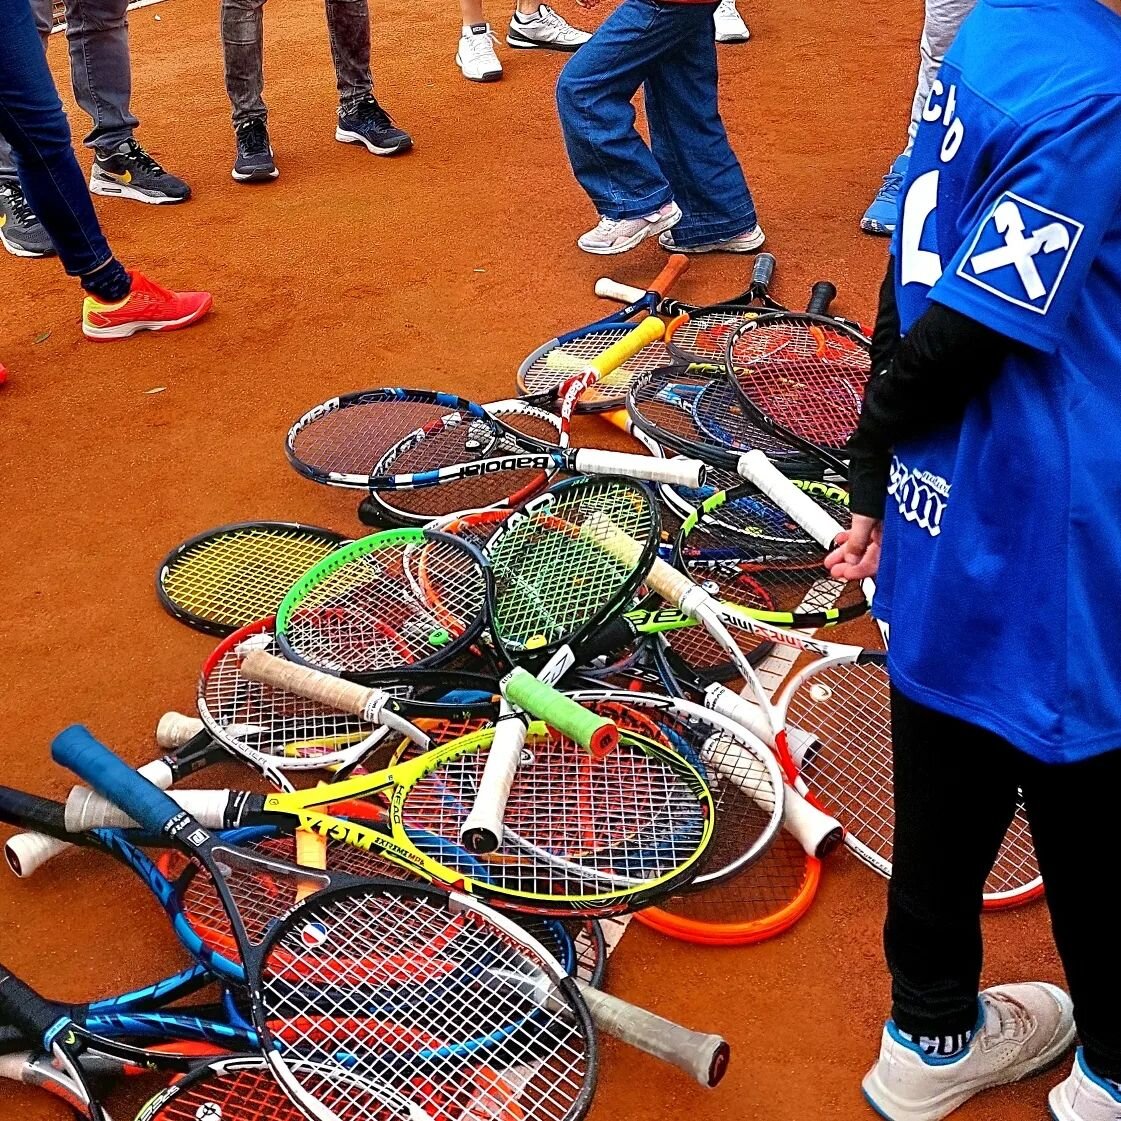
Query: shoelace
[[253, 138], [1011, 1013], [727, 8], [370, 110], [18, 205], [480, 45], [893, 180], [142, 158]]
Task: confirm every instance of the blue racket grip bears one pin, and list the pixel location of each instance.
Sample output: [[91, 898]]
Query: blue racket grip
[[112, 777]]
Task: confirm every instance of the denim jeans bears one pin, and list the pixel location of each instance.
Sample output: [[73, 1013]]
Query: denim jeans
[[243, 45], [33, 123], [97, 35], [670, 51]]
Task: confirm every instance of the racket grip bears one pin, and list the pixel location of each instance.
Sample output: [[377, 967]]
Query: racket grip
[[608, 289], [763, 272], [86, 809], [77, 750], [822, 294], [481, 832], [25, 1008], [648, 331], [675, 267], [817, 832], [758, 469], [334, 692], [595, 733], [175, 729], [701, 1055], [683, 472]]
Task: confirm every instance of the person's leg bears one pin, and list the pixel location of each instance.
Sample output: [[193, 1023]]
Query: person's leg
[[688, 138], [1072, 810], [361, 120], [940, 26], [474, 54], [955, 789], [243, 55]]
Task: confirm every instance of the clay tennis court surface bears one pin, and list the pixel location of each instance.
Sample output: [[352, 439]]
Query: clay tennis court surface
[[439, 269]]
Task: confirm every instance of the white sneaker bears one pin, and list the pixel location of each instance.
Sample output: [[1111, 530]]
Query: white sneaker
[[730, 27], [747, 242], [617, 235], [1084, 1096], [1021, 1029], [546, 30], [476, 57]]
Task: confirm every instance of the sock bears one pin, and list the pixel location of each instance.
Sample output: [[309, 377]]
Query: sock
[[521, 18], [110, 284], [476, 28], [940, 1046]]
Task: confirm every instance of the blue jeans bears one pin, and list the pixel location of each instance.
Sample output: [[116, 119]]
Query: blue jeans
[[100, 69], [669, 50], [33, 123]]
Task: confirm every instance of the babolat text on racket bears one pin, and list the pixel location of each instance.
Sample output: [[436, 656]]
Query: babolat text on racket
[[802, 375], [227, 577], [379, 995]]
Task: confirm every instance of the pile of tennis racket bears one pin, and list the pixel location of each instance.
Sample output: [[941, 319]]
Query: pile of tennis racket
[[555, 687]]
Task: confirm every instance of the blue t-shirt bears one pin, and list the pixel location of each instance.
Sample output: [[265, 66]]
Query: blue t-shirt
[[1001, 567]]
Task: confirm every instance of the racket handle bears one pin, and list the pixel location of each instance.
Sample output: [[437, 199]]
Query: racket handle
[[763, 273], [482, 830], [175, 729], [598, 735], [648, 331], [816, 831], [702, 1056], [683, 472], [675, 267], [76, 749], [22, 1006], [822, 294], [86, 809], [334, 692], [608, 289], [758, 469]]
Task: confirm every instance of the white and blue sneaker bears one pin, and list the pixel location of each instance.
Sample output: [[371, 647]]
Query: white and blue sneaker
[[1084, 1096], [881, 216], [1020, 1030]]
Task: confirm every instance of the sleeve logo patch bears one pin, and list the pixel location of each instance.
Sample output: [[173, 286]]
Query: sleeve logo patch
[[1021, 252]]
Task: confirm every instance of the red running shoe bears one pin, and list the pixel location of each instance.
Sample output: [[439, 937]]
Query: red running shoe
[[147, 307]]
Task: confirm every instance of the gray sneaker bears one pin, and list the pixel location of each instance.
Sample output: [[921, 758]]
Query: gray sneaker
[[129, 172], [20, 231]]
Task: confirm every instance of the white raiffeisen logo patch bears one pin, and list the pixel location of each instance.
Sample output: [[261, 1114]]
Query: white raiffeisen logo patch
[[1021, 252], [921, 496]]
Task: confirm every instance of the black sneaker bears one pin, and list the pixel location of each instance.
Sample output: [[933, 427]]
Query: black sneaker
[[366, 122], [254, 163], [129, 172], [20, 231]]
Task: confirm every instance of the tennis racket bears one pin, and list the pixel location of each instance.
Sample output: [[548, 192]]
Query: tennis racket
[[377, 994], [802, 376], [230, 576]]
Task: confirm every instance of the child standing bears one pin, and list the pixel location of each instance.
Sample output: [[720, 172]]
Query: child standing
[[689, 179]]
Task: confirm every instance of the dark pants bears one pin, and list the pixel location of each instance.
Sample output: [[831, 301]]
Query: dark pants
[[955, 794], [33, 123], [243, 46], [670, 51], [100, 69]]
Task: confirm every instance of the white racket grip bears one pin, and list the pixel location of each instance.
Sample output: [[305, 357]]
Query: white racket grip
[[758, 469], [85, 809], [334, 692], [26, 853], [681, 472], [481, 831], [749, 715], [608, 289], [175, 729], [817, 832], [701, 1055]]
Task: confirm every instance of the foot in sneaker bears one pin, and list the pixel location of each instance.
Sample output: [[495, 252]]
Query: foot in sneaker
[[129, 172], [147, 307], [21, 233], [618, 235], [366, 122], [1021, 1029], [544, 29], [749, 241], [1084, 1096], [881, 216], [730, 27], [475, 56], [254, 162]]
